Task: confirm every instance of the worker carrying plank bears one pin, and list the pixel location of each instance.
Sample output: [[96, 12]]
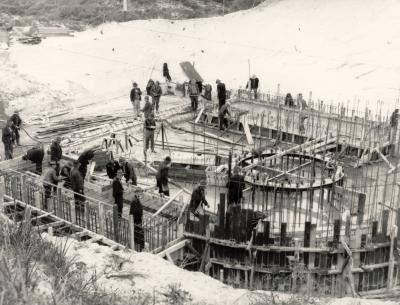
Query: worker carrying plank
[[35, 155], [198, 199]]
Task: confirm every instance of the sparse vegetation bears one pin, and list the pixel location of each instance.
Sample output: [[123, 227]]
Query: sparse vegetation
[[79, 13]]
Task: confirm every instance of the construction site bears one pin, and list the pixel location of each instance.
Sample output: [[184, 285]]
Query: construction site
[[299, 195], [319, 207]]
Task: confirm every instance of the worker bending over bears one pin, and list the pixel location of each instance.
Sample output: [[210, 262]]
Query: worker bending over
[[198, 199], [35, 155]]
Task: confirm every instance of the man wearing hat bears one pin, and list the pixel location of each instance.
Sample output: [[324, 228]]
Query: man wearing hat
[[198, 198], [252, 85], [221, 93], [136, 97], [35, 155], [17, 122], [128, 170], [56, 153]]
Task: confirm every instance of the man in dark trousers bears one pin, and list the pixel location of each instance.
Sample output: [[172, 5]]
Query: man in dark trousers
[[162, 176], [235, 187], [148, 107], [118, 192], [17, 122], [136, 210], [221, 93], [149, 129], [156, 95], [35, 155], [8, 139], [77, 185], [136, 97], [50, 181], [193, 91], [252, 85], [128, 170], [198, 198], [56, 153], [223, 112], [65, 174], [85, 157]]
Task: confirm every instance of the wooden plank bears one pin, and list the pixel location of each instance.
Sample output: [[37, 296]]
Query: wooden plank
[[171, 199], [199, 115], [173, 248], [249, 137], [190, 71]]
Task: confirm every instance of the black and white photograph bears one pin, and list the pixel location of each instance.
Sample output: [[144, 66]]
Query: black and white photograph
[[200, 152]]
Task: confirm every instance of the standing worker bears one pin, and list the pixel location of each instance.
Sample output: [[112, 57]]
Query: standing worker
[[235, 187], [77, 185], [149, 128], [128, 170], [198, 198], [207, 92], [156, 95], [166, 73], [149, 85], [56, 153], [85, 157], [8, 139], [118, 192], [136, 210], [50, 181], [148, 107], [162, 176], [221, 93], [17, 122], [65, 174], [193, 91], [136, 97], [35, 155], [223, 112], [252, 85]]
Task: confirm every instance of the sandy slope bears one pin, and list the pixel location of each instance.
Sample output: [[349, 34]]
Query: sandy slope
[[146, 272], [341, 50]]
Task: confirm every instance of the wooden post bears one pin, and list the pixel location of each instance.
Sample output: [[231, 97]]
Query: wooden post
[[221, 275], [2, 192], [222, 212], [391, 258], [87, 215], [73, 213], [116, 223], [101, 219], [131, 232], [38, 199]]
